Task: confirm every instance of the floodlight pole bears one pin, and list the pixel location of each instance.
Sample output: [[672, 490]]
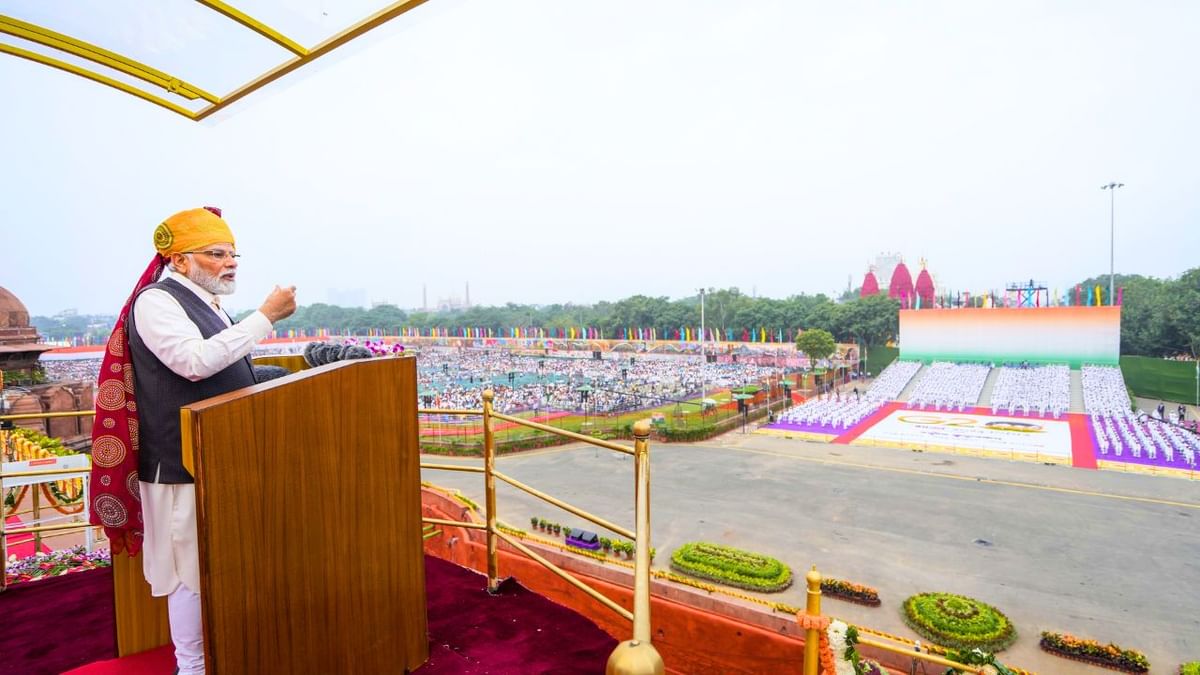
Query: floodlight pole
[[1112, 220], [703, 357]]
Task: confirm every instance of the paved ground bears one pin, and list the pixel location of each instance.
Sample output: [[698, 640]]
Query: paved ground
[[1106, 555]]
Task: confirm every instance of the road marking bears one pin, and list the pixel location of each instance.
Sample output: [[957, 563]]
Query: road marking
[[971, 479]]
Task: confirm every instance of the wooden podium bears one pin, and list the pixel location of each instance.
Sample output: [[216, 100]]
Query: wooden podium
[[308, 499]]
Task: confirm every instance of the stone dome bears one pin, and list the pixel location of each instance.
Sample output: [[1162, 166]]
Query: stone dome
[[13, 313], [901, 287], [870, 285], [924, 288]]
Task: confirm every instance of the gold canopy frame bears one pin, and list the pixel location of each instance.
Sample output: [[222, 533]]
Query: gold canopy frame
[[173, 85]]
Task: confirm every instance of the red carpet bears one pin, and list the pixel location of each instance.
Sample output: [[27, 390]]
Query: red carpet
[[59, 624], [52, 625], [516, 632], [159, 661], [20, 545], [1083, 454], [873, 419]]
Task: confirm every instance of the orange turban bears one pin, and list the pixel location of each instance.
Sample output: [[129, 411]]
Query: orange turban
[[191, 230]]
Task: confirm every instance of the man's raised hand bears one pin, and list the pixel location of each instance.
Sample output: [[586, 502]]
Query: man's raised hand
[[280, 304]]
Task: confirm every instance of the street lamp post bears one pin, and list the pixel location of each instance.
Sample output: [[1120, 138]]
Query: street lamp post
[[1112, 220], [703, 358]]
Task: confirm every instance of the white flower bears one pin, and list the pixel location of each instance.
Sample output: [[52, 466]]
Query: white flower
[[837, 644]]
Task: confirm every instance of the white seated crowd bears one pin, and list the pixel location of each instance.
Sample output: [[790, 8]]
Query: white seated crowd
[[1040, 390], [844, 411], [949, 386], [1104, 390], [456, 378], [1119, 430]]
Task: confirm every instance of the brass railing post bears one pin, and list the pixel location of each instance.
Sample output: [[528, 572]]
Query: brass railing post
[[812, 608], [489, 488], [37, 518], [638, 656]]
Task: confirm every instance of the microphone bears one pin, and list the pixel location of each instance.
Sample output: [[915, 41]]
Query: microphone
[[321, 353]]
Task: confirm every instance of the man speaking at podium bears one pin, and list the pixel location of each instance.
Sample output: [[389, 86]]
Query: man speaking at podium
[[172, 345]]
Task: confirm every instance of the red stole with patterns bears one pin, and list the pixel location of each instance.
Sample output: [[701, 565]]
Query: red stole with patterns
[[116, 503]]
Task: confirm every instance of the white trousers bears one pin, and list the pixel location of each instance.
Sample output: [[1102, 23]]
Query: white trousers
[[171, 564], [187, 631]]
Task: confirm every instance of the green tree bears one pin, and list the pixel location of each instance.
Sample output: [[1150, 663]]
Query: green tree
[[816, 344], [1183, 312]]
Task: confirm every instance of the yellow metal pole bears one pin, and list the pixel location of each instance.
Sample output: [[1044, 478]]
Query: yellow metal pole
[[489, 487], [812, 608], [641, 573], [638, 656], [37, 516]]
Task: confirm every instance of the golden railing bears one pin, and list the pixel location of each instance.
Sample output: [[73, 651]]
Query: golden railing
[[636, 655], [37, 530], [812, 608]]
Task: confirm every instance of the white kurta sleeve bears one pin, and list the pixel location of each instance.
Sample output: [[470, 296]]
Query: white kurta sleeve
[[171, 336]]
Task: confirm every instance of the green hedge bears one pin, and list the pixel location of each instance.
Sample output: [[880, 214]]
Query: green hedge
[[958, 621], [1160, 379], [879, 358], [1192, 668], [731, 566]]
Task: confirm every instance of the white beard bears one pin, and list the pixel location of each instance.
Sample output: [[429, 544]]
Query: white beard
[[211, 282]]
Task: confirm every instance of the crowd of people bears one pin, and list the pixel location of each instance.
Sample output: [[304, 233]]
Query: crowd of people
[[67, 370], [1040, 390], [1121, 432], [950, 386], [1104, 390], [842, 411], [615, 383], [575, 382]]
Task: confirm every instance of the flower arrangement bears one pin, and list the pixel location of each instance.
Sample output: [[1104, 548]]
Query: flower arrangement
[[1192, 668], [378, 347], [616, 546], [958, 621], [731, 566], [843, 642], [845, 590], [30, 444], [53, 564], [977, 657], [1091, 651], [466, 501]]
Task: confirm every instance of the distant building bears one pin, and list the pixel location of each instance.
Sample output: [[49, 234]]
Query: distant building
[[870, 285], [885, 266], [451, 304], [19, 348], [19, 354], [889, 268]]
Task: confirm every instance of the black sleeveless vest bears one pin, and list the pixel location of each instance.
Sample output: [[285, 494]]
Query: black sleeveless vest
[[161, 393]]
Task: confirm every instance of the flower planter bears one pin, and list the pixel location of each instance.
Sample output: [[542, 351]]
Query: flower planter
[[856, 598], [1091, 660]]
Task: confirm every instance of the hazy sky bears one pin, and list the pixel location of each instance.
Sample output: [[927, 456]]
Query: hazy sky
[[564, 151]]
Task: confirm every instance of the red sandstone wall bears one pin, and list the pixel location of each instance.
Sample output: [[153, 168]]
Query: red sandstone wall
[[691, 640]]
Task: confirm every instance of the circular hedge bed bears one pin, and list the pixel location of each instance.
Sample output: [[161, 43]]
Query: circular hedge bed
[[731, 566], [958, 621]]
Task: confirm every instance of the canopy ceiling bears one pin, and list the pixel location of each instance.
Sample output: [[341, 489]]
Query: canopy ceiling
[[191, 57]]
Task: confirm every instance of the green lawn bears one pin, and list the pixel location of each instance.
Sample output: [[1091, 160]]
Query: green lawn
[[594, 424], [1149, 377]]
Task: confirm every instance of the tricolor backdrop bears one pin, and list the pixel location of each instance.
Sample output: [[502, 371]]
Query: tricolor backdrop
[[1073, 335]]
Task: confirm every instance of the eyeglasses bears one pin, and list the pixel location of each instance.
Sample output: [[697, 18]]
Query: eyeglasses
[[217, 255]]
